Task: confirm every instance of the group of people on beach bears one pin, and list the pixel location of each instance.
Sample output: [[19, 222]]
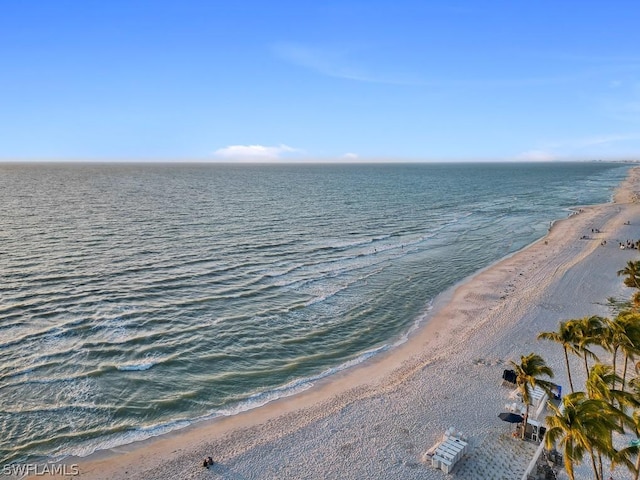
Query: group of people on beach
[[629, 244], [593, 230]]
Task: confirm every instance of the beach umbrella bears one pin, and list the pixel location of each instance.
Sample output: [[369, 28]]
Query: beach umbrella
[[511, 417]]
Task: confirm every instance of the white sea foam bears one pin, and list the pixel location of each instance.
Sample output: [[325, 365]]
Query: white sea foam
[[114, 440], [260, 399], [416, 324], [141, 365], [136, 366], [296, 386], [280, 271], [324, 293]]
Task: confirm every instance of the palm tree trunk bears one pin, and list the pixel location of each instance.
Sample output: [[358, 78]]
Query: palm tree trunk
[[636, 473], [595, 467], [566, 359], [524, 421], [586, 364], [600, 465], [624, 372], [615, 355], [569, 468]]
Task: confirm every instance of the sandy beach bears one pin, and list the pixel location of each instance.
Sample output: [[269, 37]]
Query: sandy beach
[[376, 420]]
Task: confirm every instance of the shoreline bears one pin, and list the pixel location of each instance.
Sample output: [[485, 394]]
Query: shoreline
[[499, 296]]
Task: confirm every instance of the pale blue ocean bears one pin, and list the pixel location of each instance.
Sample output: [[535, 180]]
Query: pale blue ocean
[[137, 299]]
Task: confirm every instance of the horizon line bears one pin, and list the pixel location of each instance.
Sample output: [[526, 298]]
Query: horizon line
[[281, 161]]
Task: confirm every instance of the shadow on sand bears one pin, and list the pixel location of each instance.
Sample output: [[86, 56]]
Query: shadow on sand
[[222, 471]]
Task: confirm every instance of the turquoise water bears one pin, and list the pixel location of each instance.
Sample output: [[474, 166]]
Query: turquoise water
[[136, 299]]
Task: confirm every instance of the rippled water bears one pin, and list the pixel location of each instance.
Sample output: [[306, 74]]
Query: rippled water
[[135, 299]]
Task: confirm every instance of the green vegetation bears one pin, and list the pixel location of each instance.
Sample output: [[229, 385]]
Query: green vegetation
[[584, 423], [528, 373]]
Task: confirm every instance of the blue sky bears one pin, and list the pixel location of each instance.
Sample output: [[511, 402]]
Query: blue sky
[[342, 80]]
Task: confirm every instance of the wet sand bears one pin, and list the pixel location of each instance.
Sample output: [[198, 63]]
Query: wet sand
[[377, 419]]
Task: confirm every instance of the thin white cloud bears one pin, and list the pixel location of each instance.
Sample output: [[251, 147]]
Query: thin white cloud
[[592, 141], [537, 156], [608, 139], [350, 156], [349, 63], [337, 62], [578, 147], [254, 152]]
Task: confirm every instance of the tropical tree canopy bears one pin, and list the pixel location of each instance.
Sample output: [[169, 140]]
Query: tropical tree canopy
[[631, 273], [528, 373], [581, 425], [585, 422], [566, 335]]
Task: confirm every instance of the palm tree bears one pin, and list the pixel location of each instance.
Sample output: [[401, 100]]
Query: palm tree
[[624, 455], [599, 386], [589, 331], [581, 425], [631, 347], [613, 338], [631, 273], [623, 333], [634, 383], [527, 371], [635, 301], [565, 336]]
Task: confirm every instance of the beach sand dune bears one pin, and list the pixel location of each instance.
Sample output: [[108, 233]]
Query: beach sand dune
[[377, 420]]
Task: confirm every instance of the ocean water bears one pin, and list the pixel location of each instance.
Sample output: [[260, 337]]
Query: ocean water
[[137, 299]]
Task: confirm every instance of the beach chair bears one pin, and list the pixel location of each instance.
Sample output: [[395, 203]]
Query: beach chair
[[445, 465], [508, 377]]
